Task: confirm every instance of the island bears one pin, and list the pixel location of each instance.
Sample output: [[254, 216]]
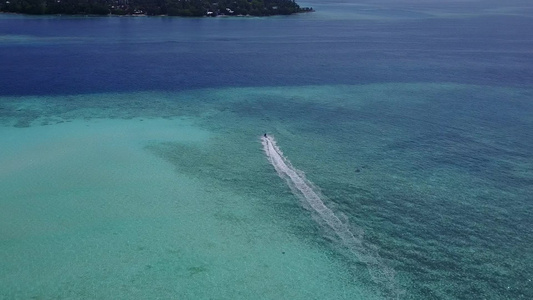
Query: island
[[186, 8]]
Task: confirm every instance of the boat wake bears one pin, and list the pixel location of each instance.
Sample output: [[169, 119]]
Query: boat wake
[[305, 190]]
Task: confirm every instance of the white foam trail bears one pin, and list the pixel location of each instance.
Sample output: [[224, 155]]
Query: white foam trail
[[303, 188]]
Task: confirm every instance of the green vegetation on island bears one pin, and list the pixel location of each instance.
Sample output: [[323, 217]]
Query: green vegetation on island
[[189, 8]]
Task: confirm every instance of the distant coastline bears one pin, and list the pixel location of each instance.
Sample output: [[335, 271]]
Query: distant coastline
[[183, 8]]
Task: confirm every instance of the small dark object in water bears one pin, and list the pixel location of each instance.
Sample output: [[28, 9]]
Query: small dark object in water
[[357, 170], [282, 252], [265, 135]]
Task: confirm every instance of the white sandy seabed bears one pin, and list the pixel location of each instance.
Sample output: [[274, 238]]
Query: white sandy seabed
[[87, 212]]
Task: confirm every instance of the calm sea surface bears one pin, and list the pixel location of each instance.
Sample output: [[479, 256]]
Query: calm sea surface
[[398, 161]]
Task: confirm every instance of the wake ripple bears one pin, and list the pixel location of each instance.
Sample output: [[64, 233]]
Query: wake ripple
[[304, 189]]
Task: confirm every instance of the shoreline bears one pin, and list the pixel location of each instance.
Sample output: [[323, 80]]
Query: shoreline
[[145, 15]]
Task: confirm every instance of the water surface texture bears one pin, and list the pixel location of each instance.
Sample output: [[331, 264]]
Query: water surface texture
[[397, 161]]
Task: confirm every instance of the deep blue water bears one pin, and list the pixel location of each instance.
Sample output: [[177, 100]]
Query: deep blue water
[[415, 119], [84, 55]]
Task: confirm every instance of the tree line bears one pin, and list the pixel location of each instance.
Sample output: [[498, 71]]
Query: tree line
[[190, 8]]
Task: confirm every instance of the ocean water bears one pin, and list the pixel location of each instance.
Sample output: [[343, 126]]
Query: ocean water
[[398, 160]]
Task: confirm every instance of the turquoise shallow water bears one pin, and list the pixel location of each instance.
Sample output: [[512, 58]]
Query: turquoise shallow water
[[160, 194], [101, 216]]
